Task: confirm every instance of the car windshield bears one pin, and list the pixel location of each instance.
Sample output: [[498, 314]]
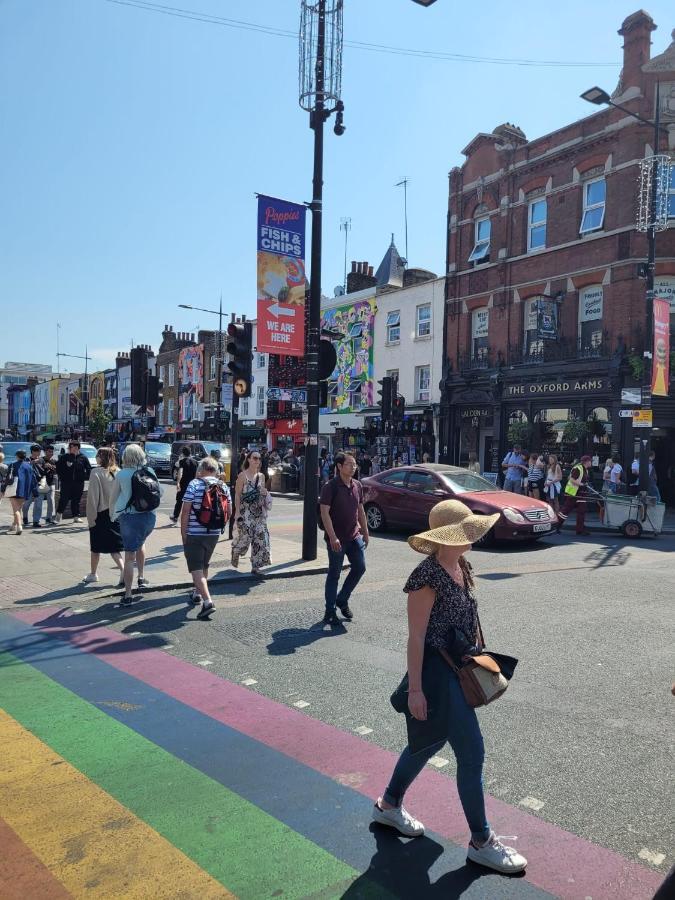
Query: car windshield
[[466, 482], [158, 448], [214, 445], [12, 446], [88, 451]]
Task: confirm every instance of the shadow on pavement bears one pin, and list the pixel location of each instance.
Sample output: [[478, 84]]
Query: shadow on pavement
[[286, 641], [401, 868]]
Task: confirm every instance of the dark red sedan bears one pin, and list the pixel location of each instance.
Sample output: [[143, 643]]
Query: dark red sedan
[[403, 498]]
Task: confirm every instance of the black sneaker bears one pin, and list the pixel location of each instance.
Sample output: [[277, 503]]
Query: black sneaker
[[126, 601], [331, 618], [25, 523], [37, 525], [206, 610], [346, 613]]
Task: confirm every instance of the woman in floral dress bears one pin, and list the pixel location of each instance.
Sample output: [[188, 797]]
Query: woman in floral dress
[[252, 501]]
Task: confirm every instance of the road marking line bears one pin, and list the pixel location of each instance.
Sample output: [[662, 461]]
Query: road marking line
[[301, 704], [80, 832], [134, 633], [205, 662], [363, 729], [438, 762], [249, 681], [532, 803], [651, 856], [167, 647]]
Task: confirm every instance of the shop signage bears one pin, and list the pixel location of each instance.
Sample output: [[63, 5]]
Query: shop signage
[[547, 388], [664, 289], [481, 318], [547, 319], [590, 305], [281, 277], [631, 395], [295, 395], [626, 413], [248, 423], [661, 357], [642, 418], [482, 412]]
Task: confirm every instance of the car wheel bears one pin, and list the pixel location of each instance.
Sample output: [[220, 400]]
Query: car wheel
[[375, 517], [488, 539]]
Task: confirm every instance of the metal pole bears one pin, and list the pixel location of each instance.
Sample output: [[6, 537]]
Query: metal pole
[[219, 383], [316, 121], [645, 442], [86, 391]]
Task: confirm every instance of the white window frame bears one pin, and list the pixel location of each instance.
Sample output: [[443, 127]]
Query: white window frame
[[161, 373], [262, 361], [172, 376], [393, 374], [260, 402], [170, 411], [394, 326], [243, 409], [213, 367], [589, 208], [421, 324], [422, 394], [536, 227], [481, 242]]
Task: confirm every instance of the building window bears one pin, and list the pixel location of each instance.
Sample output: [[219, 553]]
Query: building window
[[671, 191], [243, 409], [393, 374], [422, 384], [423, 321], [481, 244], [213, 367], [594, 205], [161, 373], [160, 414], [480, 320], [170, 407], [536, 225], [590, 317], [212, 398], [260, 408], [172, 377], [394, 327], [261, 361]]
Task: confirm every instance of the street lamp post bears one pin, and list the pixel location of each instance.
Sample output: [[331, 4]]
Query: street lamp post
[[216, 312], [600, 97], [85, 399]]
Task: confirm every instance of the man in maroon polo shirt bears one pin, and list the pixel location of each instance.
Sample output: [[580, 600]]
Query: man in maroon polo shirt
[[346, 532]]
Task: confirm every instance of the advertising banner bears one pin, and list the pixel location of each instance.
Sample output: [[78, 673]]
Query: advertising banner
[[281, 277], [661, 356]]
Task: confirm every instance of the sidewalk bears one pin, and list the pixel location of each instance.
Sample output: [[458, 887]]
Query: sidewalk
[[49, 564]]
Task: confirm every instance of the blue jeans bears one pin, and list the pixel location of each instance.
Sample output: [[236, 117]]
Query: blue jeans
[[37, 505], [466, 741], [357, 560]]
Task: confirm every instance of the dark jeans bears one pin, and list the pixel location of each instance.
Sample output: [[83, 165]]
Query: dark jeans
[[568, 506], [466, 740], [179, 504], [71, 493], [357, 560]]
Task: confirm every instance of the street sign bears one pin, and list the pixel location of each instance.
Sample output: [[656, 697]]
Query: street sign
[[626, 413], [642, 418], [288, 395], [631, 395]]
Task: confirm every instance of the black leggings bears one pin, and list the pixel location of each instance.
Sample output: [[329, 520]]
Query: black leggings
[[71, 493]]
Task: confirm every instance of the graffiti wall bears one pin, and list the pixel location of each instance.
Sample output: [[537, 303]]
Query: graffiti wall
[[190, 383], [350, 387]]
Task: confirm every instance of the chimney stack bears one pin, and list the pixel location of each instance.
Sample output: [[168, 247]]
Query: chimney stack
[[636, 33], [360, 277]]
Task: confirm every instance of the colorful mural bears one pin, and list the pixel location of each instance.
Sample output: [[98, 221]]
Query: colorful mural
[[350, 387], [190, 383]]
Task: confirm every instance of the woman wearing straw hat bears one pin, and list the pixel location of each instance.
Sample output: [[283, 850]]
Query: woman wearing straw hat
[[441, 607]]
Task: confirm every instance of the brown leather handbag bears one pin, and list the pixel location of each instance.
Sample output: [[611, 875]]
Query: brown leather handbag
[[484, 677]]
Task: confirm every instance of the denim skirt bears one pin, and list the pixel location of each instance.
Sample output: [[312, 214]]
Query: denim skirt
[[135, 528]]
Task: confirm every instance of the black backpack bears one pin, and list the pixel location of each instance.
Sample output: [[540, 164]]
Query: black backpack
[[145, 491]]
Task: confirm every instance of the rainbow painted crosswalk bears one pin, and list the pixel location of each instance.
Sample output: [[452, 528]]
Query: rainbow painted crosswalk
[[126, 772]]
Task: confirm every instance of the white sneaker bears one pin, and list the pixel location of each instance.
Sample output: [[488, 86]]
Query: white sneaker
[[90, 578], [398, 818], [77, 519], [495, 855], [57, 519]]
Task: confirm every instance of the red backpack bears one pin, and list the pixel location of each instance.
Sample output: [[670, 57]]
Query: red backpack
[[215, 509]]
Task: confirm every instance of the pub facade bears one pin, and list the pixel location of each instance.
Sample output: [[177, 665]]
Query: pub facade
[[545, 290]]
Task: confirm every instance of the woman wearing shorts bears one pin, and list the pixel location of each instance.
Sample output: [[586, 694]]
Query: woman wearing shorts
[[135, 526], [198, 542]]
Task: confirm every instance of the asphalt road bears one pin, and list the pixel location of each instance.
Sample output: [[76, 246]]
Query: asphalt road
[[584, 737]]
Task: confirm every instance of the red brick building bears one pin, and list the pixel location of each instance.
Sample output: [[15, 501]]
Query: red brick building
[[546, 311]]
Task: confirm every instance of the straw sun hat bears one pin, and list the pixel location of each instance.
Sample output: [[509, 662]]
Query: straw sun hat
[[451, 524]]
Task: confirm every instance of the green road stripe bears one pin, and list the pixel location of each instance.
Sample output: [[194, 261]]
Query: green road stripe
[[244, 848]]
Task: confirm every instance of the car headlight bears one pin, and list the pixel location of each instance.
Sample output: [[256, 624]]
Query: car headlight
[[550, 511], [513, 516]]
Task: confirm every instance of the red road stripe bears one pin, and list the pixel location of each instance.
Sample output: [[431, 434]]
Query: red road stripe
[[22, 874], [559, 862]]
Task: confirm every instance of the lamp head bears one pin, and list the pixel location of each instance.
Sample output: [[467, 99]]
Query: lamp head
[[424, 2], [596, 95]]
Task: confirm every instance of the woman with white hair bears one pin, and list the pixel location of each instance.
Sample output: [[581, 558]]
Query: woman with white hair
[[135, 525]]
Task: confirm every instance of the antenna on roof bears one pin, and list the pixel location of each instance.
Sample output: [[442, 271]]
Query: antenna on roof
[[346, 226]]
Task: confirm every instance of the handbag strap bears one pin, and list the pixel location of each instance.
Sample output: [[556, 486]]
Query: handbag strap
[[468, 593]]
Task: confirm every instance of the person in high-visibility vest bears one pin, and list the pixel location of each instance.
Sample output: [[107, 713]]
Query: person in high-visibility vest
[[575, 496]]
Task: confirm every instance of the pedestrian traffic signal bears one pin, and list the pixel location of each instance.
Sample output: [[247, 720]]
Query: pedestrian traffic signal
[[139, 370], [240, 349], [327, 359], [398, 409], [323, 394], [155, 390], [385, 394]]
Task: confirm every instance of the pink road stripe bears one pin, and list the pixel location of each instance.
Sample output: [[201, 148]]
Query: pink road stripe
[[559, 862]]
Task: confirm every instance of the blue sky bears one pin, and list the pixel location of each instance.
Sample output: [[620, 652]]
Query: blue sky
[[134, 143]]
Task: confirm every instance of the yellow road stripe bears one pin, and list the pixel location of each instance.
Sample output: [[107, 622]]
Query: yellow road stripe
[[91, 843]]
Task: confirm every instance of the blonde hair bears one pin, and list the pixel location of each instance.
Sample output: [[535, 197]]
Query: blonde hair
[[107, 457], [2, 457], [133, 456]]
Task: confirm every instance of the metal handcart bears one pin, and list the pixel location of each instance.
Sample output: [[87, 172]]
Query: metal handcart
[[632, 515]]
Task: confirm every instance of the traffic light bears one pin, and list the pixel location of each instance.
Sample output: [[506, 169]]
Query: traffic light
[[139, 370], [155, 390], [327, 364], [385, 394], [398, 409], [239, 348], [323, 394]]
